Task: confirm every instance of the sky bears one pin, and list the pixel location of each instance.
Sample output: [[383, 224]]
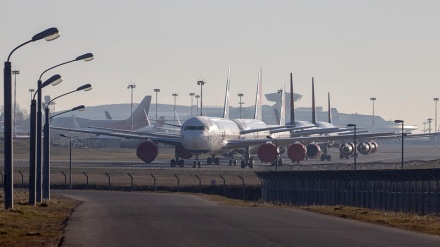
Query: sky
[[355, 50]]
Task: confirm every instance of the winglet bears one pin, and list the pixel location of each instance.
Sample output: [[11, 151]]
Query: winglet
[[226, 105], [283, 107], [329, 110], [292, 104], [313, 103], [258, 104]]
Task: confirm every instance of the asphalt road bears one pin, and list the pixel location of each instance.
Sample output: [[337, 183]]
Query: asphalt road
[[154, 219]]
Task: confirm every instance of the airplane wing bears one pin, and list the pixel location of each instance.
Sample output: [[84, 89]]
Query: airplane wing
[[273, 128]]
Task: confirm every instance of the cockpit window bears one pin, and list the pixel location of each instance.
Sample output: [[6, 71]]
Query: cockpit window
[[189, 127]]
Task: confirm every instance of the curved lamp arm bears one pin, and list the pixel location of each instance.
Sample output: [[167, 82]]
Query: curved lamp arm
[[78, 108]]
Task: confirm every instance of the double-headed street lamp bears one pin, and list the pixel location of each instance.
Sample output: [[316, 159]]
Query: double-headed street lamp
[[85, 57], [355, 143], [373, 99], [54, 80], [156, 90], [49, 34], [201, 83], [401, 122], [241, 103], [192, 97], [46, 141]]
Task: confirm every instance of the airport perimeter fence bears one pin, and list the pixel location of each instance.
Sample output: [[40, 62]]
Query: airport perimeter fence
[[412, 191]]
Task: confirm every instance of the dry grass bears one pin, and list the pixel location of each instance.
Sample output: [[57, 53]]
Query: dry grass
[[40, 225]]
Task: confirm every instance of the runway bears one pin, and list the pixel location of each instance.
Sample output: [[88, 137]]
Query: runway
[[156, 219]]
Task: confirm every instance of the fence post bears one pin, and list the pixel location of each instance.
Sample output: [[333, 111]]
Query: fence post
[[200, 183], [261, 185], [109, 181], [65, 179], [22, 182], [178, 182], [154, 179], [243, 188], [224, 185], [131, 177], [87, 181]]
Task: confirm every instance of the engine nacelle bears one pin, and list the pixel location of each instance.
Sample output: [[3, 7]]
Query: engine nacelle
[[364, 148], [346, 149], [147, 151], [267, 152], [183, 153], [313, 150], [296, 152], [374, 147]]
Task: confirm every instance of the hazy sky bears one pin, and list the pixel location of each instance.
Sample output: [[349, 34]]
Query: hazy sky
[[354, 49]]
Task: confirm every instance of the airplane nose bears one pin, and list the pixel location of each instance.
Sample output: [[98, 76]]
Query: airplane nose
[[194, 141]]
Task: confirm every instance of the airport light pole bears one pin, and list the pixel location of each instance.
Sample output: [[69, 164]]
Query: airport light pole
[[156, 90], [201, 83], [429, 124], [373, 99], [85, 57], [401, 122], [46, 141], [70, 159], [131, 87], [192, 97], [424, 127], [48, 35], [355, 143], [175, 96], [241, 103], [15, 73], [197, 97]]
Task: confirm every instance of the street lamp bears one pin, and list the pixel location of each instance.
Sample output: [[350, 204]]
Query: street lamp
[[241, 103], [46, 141], [54, 80], [175, 96], [197, 97], [48, 34], [31, 90], [131, 86], [401, 122], [373, 99], [15, 73], [276, 150], [85, 57], [201, 83], [156, 90], [70, 159], [355, 143], [192, 97]]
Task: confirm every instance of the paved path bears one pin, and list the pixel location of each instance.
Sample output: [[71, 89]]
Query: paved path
[[155, 219]]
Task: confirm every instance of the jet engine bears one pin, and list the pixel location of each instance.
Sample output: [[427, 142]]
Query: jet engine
[[267, 152], [313, 150], [374, 147], [183, 153], [296, 152], [346, 149], [147, 151]]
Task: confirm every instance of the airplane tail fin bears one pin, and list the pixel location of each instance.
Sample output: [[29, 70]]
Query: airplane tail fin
[[108, 116], [313, 103], [292, 102], [277, 116], [226, 106], [329, 110], [139, 113], [283, 107], [76, 124], [258, 104]]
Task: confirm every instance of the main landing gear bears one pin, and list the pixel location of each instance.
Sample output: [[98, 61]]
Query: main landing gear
[[177, 161], [212, 159], [325, 155], [248, 160]]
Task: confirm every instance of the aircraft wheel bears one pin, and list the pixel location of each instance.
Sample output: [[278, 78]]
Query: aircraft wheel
[[194, 164], [173, 163], [235, 162], [322, 157], [199, 165], [230, 162], [280, 162], [251, 163], [329, 157], [217, 161], [208, 160], [181, 163], [243, 164]]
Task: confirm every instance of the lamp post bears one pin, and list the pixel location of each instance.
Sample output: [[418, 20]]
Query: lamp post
[[276, 150], [70, 160], [156, 90], [241, 103], [373, 99], [15, 73], [355, 143], [201, 83], [401, 122], [175, 96], [429, 124], [46, 141], [85, 57], [48, 34], [192, 97], [197, 97], [131, 87]]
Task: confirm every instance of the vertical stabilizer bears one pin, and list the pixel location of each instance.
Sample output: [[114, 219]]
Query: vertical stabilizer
[[283, 107], [313, 103], [292, 104], [226, 106], [139, 113], [108, 116], [258, 104], [329, 110], [277, 116]]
